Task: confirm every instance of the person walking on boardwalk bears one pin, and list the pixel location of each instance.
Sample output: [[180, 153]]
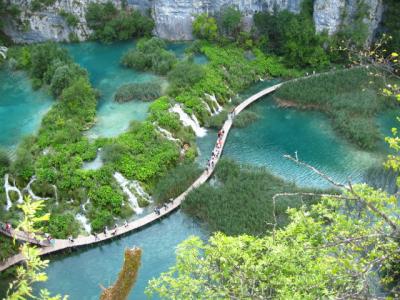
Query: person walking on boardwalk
[[105, 230]]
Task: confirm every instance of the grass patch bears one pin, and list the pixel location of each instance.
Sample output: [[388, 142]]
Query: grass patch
[[146, 91], [176, 181], [245, 118], [350, 98], [241, 201]]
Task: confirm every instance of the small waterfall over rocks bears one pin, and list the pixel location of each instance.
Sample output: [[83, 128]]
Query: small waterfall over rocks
[[84, 221], [215, 108], [133, 190], [8, 188], [189, 121], [168, 135]]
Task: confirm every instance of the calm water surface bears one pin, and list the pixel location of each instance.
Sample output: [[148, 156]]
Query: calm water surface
[[21, 108]]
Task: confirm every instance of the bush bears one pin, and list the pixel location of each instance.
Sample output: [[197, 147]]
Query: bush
[[150, 55], [184, 75], [70, 18], [176, 181], [63, 76], [110, 24], [147, 91], [62, 226], [205, 27], [4, 162], [245, 118]]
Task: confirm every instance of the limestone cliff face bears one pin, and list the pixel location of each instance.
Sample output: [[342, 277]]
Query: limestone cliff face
[[174, 18], [329, 14]]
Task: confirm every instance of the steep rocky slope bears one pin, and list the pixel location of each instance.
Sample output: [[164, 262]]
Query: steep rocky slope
[[173, 18]]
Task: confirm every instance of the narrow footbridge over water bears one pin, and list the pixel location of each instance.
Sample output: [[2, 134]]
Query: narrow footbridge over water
[[61, 244]]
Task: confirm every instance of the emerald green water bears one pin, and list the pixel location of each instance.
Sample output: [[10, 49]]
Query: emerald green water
[[21, 108], [106, 75], [263, 143]]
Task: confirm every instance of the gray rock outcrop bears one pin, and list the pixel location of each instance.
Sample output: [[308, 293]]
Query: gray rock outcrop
[[173, 18]]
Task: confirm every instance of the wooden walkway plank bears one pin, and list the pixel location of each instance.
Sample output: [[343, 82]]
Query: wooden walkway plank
[[61, 244]]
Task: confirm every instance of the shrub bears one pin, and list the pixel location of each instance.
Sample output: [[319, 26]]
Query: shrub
[[184, 75], [62, 226], [245, 118], [150, 55], [176, 181], [147, 91], [4, 162], [70, 18], [108, 23], [205, 27]]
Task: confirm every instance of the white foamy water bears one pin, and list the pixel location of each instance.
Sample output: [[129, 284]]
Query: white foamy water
[[168, 135], [95, 164], [8, 188], [125, 184], [84, 221], [189, 120], [30, 192], [216, 108]]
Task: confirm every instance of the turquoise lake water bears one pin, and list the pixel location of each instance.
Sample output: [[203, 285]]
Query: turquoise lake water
[[263, 143], [21, 108]]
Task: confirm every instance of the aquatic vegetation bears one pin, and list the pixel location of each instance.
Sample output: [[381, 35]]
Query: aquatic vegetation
[[240, 200], [245, 118], [184, 75], [146, 91], [150, 55], [351, 98], [176, 181]]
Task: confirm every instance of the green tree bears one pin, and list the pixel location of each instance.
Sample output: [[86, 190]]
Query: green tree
[[205, 27], [33, 269], [230, 21]]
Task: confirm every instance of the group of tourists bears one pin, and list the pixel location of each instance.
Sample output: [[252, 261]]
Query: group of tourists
[[165, 205], [215, 153]]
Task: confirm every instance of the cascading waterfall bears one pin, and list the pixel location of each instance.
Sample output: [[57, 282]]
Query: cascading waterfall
[[168, 135], [141, 192], [125, 184], [189, 121], [30, 192], [8, 188], [216, 107], [84, 221], [55, 192]]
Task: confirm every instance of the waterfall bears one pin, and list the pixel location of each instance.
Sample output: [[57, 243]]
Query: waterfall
[[8, 188], [83, 206], [30, 192], [189, 121], [216, 107], [84, 221], [125, 184], [168, 135]]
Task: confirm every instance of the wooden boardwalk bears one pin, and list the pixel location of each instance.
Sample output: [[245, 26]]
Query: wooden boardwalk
[[61, 244]]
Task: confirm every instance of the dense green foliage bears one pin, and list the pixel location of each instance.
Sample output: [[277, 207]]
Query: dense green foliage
[[230, 21], [71, 19], [319, 255], [205, 27], [240, 202], [245, 118], [350, 97], [38, 5], [5, 162], [109, 23], [292, 36], [150, 55], [146, 91], [7, 247], [184, 75], [391, 23], [61, 226], [176, 181]]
